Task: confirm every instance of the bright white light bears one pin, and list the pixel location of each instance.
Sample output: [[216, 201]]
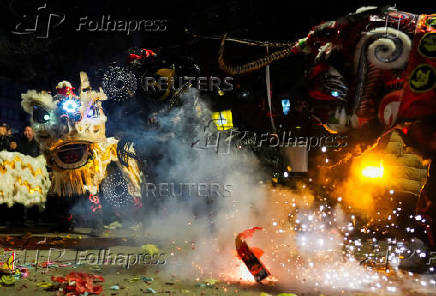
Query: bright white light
[[391, 191], [285, 174], [373, 171], [46, 117], [324, 149], [70, 106], [335, 93]]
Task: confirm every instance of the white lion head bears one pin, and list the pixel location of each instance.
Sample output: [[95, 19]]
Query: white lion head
[[70, 129]]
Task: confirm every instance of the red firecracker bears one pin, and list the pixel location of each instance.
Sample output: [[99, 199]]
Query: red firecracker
[[251, 256]]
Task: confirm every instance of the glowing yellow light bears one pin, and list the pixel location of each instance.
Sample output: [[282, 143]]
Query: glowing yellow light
[[373, 171], [223, 120]]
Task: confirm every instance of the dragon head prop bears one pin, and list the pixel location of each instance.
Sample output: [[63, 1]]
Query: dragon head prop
[[376, 65]]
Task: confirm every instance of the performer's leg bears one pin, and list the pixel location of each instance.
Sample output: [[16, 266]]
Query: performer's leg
[[33, 214], [426, 209], [97, 223], [60, 208], [96, 214], [17, 214], [4, 217]]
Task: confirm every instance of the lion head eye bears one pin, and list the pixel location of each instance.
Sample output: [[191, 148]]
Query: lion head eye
[[40, 115]]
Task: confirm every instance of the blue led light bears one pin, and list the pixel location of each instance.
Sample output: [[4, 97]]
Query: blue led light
[[335, 93], [286, 104], [70, 106]]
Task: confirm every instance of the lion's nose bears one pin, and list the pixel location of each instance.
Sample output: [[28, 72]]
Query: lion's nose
[[71, 118], [63, 127], [67, 127]]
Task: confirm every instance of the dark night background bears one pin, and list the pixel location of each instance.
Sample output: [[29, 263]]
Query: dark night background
[[28, 62]]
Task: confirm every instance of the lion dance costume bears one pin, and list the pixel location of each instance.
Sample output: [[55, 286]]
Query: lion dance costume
[[70, 129]]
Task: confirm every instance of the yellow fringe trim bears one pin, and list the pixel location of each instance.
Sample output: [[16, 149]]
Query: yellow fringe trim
[[88, 177]]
